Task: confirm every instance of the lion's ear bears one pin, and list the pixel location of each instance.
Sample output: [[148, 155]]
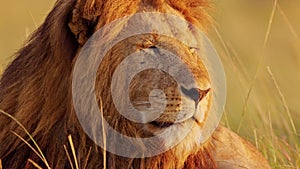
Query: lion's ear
[[84, 18]]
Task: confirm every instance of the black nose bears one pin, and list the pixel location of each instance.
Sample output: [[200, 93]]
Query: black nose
[[195, 94]]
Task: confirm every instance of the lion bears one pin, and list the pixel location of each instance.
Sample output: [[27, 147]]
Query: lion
[[36, 89]]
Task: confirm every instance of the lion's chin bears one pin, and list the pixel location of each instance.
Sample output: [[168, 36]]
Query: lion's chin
[[187, 132], [183, 138]]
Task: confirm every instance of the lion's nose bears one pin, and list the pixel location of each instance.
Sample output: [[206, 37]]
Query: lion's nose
[[195, 94]]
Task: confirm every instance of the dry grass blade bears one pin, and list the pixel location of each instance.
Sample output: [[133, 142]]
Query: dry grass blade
[[255, 138], [34, 164], [29, 135], [252, 85], [87, 158], [287, 21], [247, 100], [228, 53], [34, 21], [270, 23], [226, 120], [283, 101], [73, 151], [26, 142], [259, 64], [272, 137], [222, 40], [104, 136], [69, 158]]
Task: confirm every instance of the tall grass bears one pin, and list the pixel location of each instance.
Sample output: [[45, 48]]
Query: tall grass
[[262, 94], [36, 149]]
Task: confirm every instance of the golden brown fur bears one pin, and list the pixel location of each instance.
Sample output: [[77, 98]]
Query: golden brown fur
[[36, 90]]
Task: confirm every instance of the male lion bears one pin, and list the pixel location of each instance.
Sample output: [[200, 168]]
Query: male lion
[[36, 89]]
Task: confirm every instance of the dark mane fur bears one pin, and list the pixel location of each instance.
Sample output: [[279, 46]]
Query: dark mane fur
[[34, 89]]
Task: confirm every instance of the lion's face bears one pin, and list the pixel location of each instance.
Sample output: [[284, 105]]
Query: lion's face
[[156, 91], [161, 103]]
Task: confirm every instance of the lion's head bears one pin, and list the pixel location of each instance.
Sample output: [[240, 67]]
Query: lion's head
[[38, 89]]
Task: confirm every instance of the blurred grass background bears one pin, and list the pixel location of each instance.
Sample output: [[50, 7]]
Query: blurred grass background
[[260, 48], [263, 77]]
